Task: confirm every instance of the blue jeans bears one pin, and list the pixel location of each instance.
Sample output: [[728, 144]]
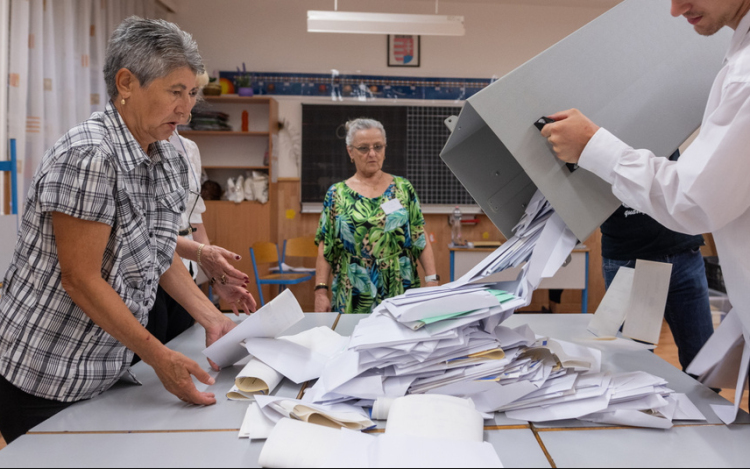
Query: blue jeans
[[688, 312]]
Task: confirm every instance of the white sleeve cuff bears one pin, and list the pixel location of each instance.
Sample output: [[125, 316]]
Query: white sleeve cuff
[[602, 154]]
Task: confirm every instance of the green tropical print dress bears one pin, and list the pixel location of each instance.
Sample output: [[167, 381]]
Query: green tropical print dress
[[373, 255]]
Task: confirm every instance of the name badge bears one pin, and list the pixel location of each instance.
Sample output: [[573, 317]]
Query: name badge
[[392, 206]]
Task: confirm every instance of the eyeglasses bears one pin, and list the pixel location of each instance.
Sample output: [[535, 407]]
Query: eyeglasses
[[363, 150], [191, 229]]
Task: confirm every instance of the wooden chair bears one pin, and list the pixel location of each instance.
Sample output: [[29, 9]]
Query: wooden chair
[[268, 253], [299, 247]]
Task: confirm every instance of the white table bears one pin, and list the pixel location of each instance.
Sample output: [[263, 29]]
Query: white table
[[696, 446], [150, 407], [144, 427]]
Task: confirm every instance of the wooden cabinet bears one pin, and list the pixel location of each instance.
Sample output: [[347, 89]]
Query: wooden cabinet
[[227, 154]]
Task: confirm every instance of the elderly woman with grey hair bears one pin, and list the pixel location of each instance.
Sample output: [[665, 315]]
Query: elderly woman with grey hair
[[371, 232], [98, 235]]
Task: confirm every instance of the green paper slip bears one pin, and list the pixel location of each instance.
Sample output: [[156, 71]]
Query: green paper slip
[[444, 317], [502, 296]]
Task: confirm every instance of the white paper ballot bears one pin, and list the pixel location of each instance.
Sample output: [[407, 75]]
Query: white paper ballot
[[610, 315], [293, 443], [685, 410], [719, 345], [256, 425], [728, 414], [235, 394], [410, 451], [647, 301], [255, 378], [270, 321], [435, 416], [301, 357], [631, 418], [335, 415]]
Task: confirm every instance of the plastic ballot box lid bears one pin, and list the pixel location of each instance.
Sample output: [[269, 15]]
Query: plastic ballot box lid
[[635, 70]]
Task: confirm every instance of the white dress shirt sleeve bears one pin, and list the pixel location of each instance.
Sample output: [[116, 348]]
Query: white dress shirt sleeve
[[705, 190]]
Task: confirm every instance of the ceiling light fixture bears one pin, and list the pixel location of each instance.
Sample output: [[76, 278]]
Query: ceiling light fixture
[[384, 23]]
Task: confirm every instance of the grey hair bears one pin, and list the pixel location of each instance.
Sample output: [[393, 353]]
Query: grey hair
[[363, 123], [150, 49]]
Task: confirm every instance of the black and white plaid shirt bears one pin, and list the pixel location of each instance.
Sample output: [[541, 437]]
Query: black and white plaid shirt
[[48, 346]]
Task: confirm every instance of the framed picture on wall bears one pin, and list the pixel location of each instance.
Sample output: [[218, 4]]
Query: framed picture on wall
[[403, 50]]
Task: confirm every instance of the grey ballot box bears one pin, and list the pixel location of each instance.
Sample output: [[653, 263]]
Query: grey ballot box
[[636, 71]]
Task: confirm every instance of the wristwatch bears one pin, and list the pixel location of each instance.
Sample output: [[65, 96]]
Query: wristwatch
[[432, 278]]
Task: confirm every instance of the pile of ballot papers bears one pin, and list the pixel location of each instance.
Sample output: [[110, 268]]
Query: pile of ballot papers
[[428, 342], [449, 341]]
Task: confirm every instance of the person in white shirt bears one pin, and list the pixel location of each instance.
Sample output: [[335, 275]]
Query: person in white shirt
[[706, 190]]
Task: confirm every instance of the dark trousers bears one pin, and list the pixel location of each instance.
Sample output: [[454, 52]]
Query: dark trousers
[[20, 411], [688, 311], [167, 318]]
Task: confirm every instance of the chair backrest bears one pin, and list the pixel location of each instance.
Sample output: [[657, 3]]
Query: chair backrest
[[265, 253], [300, 247]]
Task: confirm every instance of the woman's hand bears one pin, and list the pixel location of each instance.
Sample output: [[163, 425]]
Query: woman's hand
[[214, 261], [322, 302], [175, 370], [218, 328], [237, 297], [433, 284]]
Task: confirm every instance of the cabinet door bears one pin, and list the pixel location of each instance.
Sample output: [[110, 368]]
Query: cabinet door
[[236, 227]]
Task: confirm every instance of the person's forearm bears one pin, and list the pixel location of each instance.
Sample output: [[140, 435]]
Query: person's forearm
[[178, 283], [322, 275], [427, 259], [199, 235], [188, 248], [105, 307], [322, 267]]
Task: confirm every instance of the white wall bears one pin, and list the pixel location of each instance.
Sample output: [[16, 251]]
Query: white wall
[[271, 36]]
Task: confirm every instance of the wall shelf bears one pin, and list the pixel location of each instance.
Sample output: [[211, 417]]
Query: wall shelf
[[233, 98]]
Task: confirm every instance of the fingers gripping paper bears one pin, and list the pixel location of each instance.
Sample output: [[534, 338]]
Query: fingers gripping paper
[[270, 321]]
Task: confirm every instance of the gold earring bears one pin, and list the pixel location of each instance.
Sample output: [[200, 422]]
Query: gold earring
[[190, 117], [123, 101]]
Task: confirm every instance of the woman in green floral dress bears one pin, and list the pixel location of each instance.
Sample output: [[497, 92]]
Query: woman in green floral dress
[[371, 232]]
